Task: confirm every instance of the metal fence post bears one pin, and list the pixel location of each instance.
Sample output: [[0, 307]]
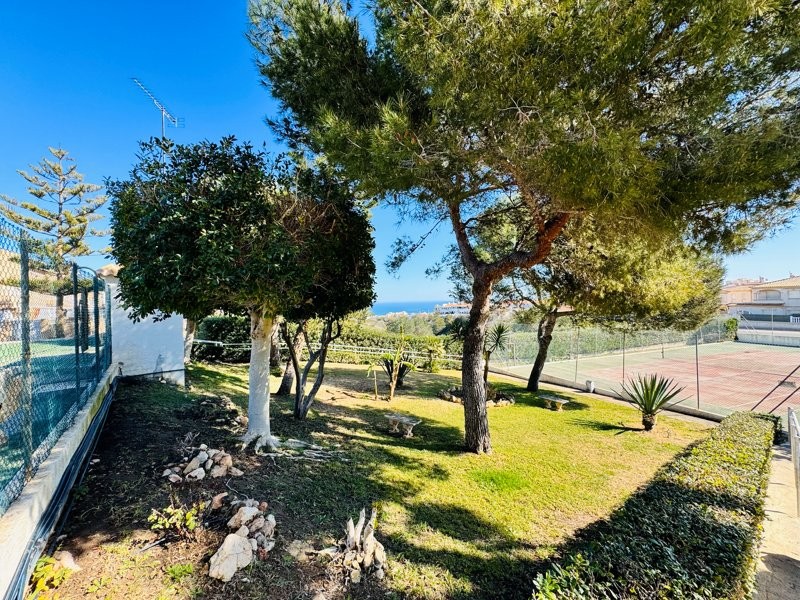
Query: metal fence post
[[26, 396], [623, 355], [108, 349], [697, 368], [75, 333], [96, 328]]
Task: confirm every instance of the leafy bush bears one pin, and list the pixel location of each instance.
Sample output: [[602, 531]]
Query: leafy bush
[[731, 328], [181, 520], [229, 329], [692, 532]]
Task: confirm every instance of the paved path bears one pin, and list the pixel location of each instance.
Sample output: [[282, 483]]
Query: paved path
[[778, 576]]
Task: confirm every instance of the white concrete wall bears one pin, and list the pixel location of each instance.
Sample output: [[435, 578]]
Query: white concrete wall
[[146, 348]]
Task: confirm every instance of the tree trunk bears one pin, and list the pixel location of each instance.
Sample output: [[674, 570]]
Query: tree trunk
[[59, 324], [486, 357], [258, 428], [476, 420], [544, 336], [290, 373], [303, 401], [189, 328]]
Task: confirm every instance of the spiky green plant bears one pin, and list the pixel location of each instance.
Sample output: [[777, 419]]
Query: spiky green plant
[[496, 339], [650, 394]]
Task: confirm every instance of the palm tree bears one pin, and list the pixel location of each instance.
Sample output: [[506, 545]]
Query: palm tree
[[496, 339]]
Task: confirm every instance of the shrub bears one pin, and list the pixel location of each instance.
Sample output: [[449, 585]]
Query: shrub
[[228, 329], [692, 532], [650, 394]]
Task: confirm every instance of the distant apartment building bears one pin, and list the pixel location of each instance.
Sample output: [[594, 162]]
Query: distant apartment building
[[452, 308], [767, 300]]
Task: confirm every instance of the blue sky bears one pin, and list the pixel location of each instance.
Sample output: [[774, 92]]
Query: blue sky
[[66, 70]]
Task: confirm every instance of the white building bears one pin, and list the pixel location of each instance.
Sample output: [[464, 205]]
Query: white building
[[773, 300]]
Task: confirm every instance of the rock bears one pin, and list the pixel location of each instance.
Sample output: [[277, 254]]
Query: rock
[[253, 544], [196, 475], [251, 502], [234, 472], [380, 555], [208, 464], [175, 478], [202, 456], [243, 516], [257, 524], [263, 506], [355, 576], [212, 453], [269, 545], [65, 560], [225, 460], [269, 526], [218, 471], [167, 473], [234, 554], [217, 501], [298, 550], [379, 574], [193, 465], [203, 447], [243, 531], [319, 596], [176, 470]]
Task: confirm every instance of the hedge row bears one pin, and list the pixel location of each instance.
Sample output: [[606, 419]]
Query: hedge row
[[693, 532], [236, 330]]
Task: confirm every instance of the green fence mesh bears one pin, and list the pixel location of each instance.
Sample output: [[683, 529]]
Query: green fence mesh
[[55, 344]]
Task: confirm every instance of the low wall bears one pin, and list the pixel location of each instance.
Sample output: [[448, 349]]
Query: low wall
[[768, 338], [28, 522]]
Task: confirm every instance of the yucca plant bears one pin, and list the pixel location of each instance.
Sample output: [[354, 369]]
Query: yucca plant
[[650, 394]]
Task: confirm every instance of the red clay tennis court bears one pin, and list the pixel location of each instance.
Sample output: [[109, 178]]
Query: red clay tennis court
[[731, 375]]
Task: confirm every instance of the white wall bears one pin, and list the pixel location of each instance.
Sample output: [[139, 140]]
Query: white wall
[[146, 348]]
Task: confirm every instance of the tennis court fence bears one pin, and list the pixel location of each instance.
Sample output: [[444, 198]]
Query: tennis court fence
[[55, 344]]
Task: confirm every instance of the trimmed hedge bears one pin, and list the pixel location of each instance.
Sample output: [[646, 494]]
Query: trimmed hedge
[[236, 330], [229, 329], [692, 532]]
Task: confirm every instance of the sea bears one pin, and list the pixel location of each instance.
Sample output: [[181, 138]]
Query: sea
[[409, 306]]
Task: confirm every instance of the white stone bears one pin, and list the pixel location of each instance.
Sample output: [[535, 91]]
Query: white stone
[[234, 472], [202, 456], [212, 452], [243, 531], [254, 544], [66, 560], [167, 473], [197, 474], [269, 526], [257, 524], [234, 554], [203, 447], [217, 501], [243, 516], [193, 465], [175, 478], [208, 464], [218, 471]]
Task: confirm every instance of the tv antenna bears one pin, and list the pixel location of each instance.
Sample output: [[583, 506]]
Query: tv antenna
[[166, 116]]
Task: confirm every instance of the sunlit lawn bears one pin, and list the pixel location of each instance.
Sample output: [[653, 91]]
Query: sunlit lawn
[[456, 524]]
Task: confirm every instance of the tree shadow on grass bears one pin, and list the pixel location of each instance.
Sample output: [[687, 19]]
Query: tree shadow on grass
[[665, 534], [604, 426]]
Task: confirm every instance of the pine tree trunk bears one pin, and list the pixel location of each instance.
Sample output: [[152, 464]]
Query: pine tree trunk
[[486, 357], [258, 428], [59, 324], [189, 328], [544, 336], [476, 420]]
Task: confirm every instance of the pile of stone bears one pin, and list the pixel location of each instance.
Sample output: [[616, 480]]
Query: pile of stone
[[493, 396], [451, 395], [253, 537], [359, 554], [204, 462]]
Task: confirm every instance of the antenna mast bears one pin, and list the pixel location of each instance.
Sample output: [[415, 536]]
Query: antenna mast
[[166, 116]]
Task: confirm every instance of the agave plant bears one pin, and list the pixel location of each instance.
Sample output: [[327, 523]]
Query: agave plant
[[650, 394]]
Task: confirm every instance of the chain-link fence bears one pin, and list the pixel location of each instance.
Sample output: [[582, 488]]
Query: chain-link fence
[[718, 372], [55, 344]]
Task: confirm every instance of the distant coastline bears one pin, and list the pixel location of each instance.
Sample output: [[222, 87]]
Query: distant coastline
[[409, 306]]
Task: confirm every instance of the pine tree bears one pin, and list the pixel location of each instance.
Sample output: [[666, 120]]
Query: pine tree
[[59, 218]]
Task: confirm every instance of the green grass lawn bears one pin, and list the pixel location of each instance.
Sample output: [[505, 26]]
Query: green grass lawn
[[455, 525]]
